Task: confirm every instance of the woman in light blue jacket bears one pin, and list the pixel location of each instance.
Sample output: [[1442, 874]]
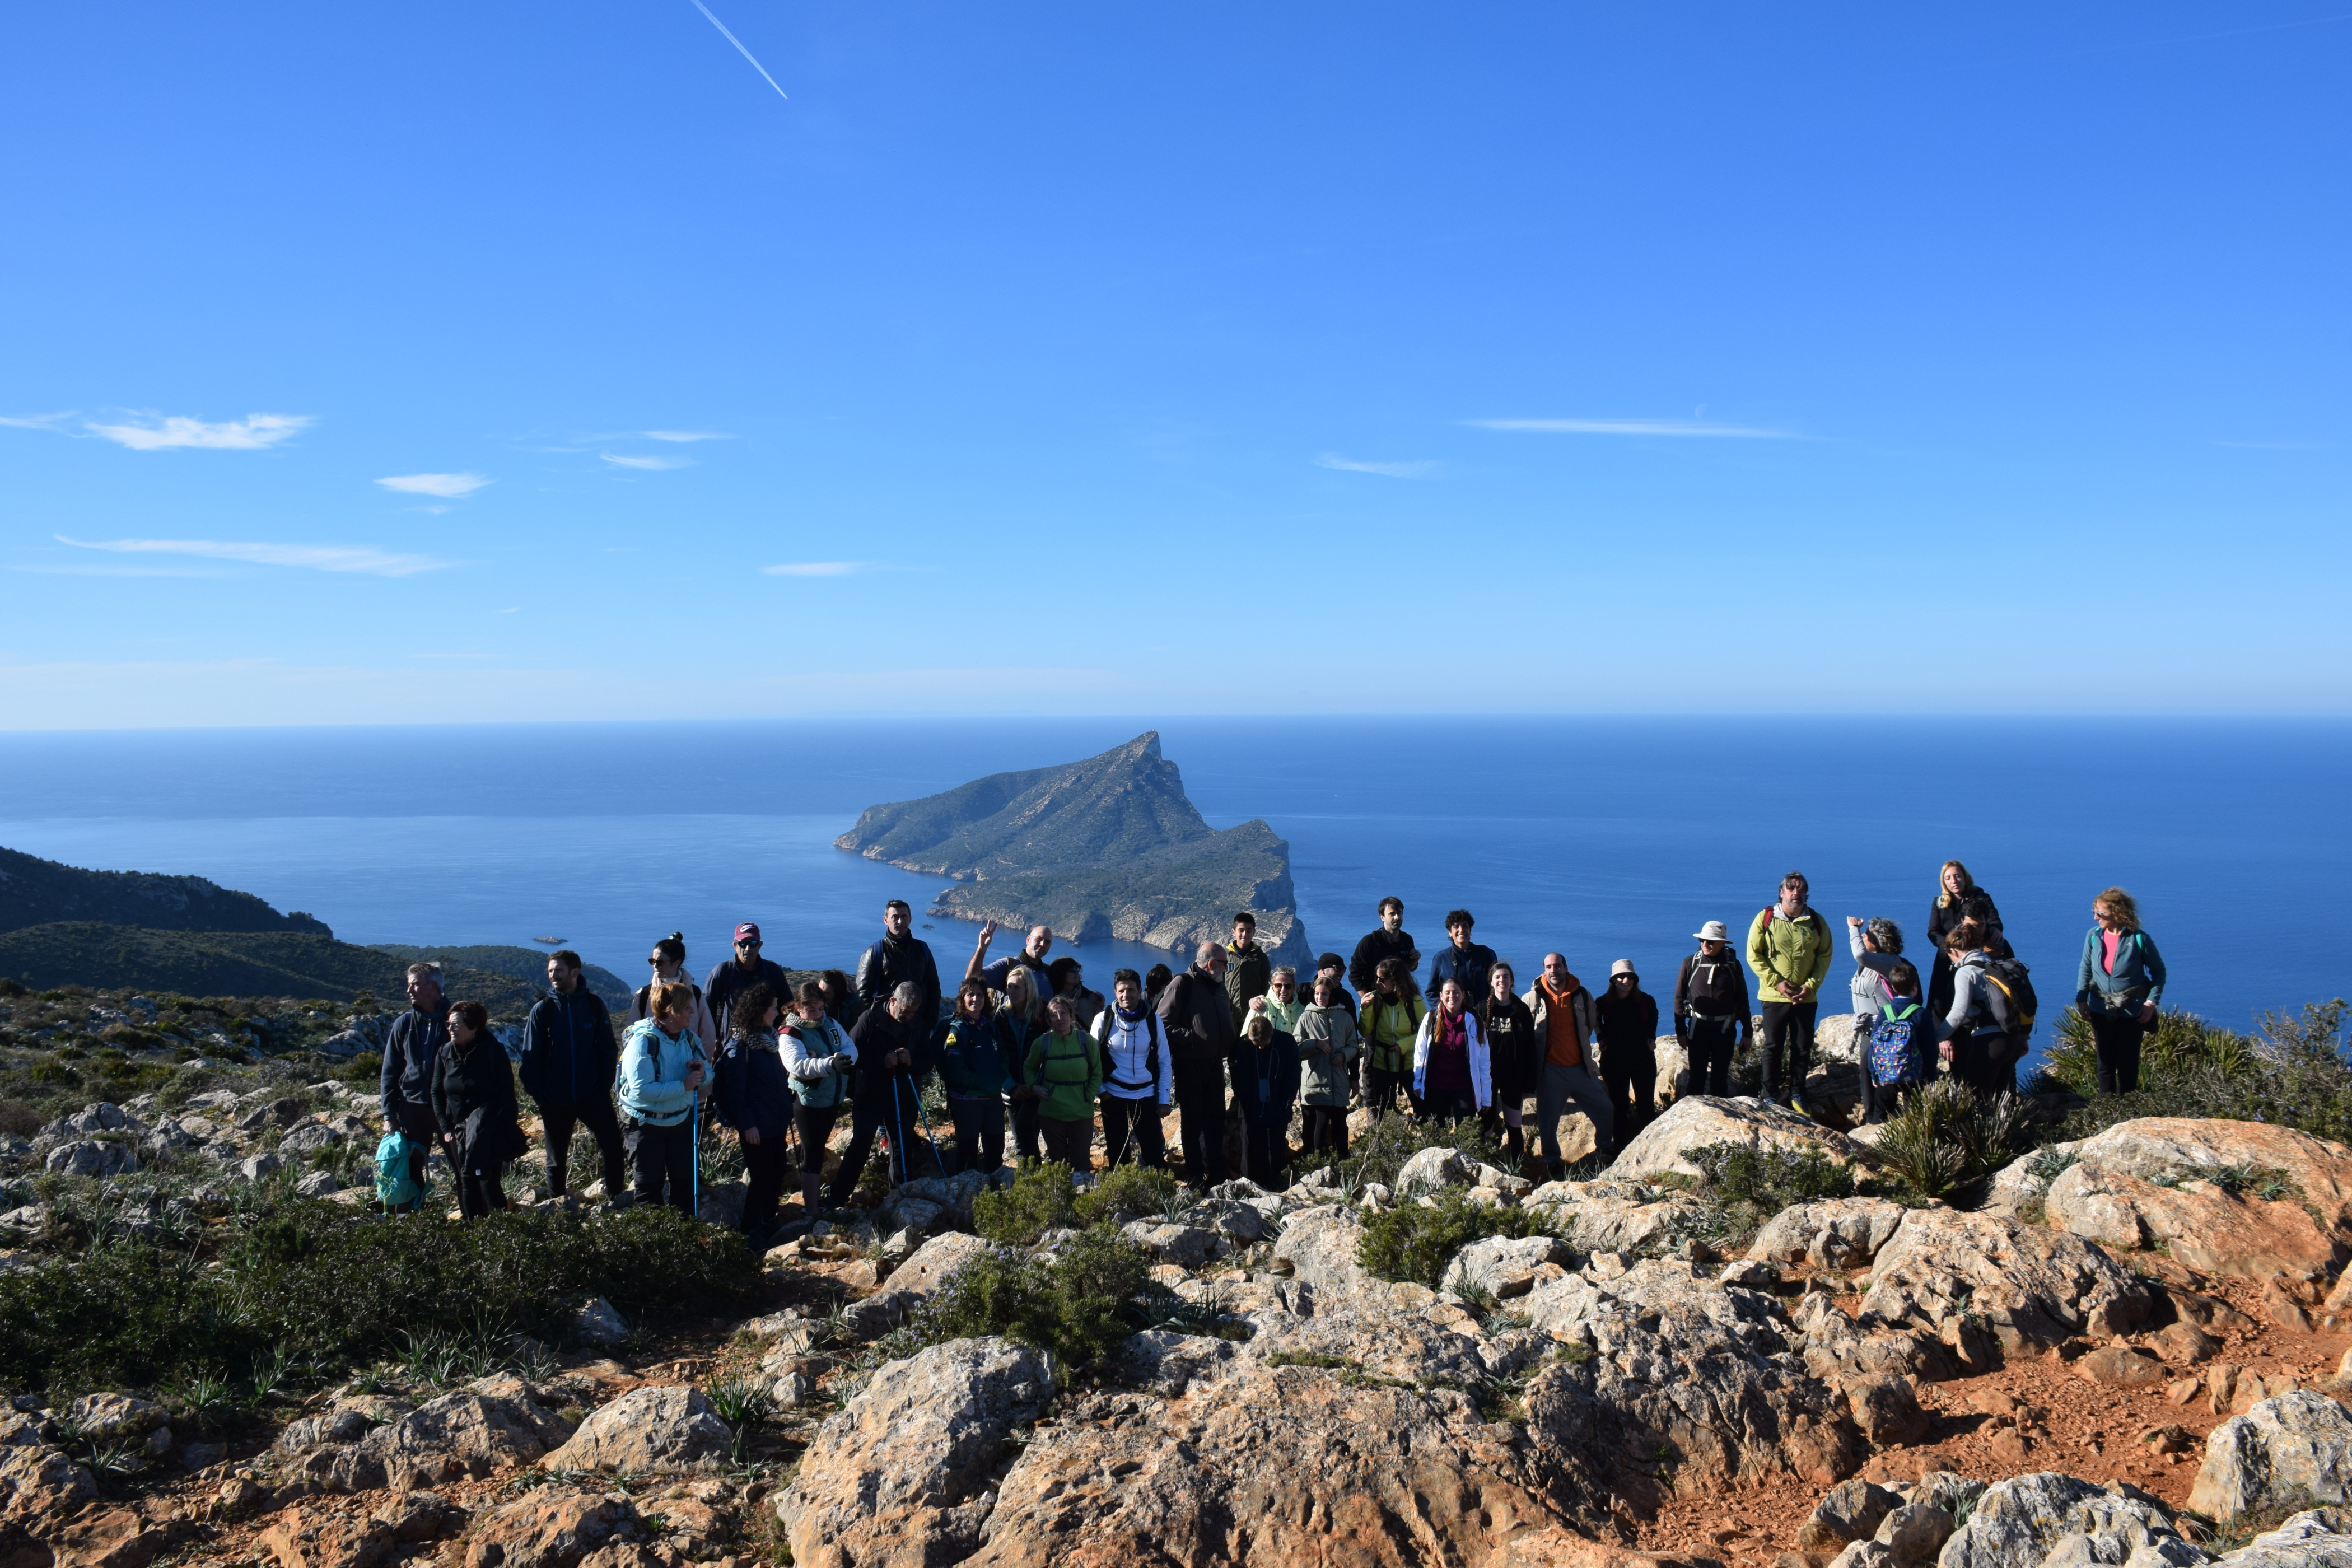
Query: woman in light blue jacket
[[661, 1082], [818, 1056], [2118, 987]]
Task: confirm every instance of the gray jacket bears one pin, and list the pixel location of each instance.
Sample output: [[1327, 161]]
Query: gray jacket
[[1329, 1046]]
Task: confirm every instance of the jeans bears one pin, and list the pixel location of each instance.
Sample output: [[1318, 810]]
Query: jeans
[[1070, 1142], [1132, 1126], [1200, 1096], [1788, 1022], [765, 1164], [1711, 1040], [1326, 1131], [2117, 1036], [1563, 1087], [1632, 1079], [979, 1132], [887, 1107], [596, 1115], [664, 1158]]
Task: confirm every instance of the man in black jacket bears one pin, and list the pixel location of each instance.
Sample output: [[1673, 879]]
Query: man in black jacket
[[1202, 1038], [1625, 1023], [735, 975], [414, 1039], [1335, 967], [899, 957], [894, 1052], [1249, 972], [1462, 961], [1391, 940], [568, 1056]]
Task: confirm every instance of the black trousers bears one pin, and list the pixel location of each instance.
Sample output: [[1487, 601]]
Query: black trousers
[[2117, 1036], [1132, 1126], [424, 1131], [1382, 1089], [664, 1159], [596, 1115], [1265, 1147], [1201, 1097], [765, 1164], [1449, 1105], [1980, 1062], [1633, 1079], [480, 1188], [1711, 1041], [979, 1132], [1788, 1024], [1027, 1138], [1326, 1131], [1071, 1142], [879, 1111]]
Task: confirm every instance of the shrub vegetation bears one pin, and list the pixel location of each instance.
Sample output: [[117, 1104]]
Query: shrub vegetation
[[1039, 1199], [1415, 1242]]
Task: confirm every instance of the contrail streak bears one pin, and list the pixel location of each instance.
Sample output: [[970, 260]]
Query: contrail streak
[[742, 50]]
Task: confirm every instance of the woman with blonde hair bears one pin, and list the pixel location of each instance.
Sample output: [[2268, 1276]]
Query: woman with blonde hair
[[1020, 1014], [2118, 988], [1958, 898]]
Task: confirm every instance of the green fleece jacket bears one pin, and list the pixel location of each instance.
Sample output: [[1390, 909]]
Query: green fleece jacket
[[1069, 1067], [1796, 950]]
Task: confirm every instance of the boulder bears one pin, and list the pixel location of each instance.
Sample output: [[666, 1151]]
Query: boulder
[[2316, 1538], [37, 1481], [2032, 1288], [551, 1529], [903, 1471], [310, 1536], [114, 1415], [1665, 1145], [253, 1167], [1887, 1412], [647, 1429], [2122, 1366], [1430, 1169], [863, 1322], [1406, 1347], [1850, 1511], [1281, 1466], [1835, 1233], [417, 1517], [1913, 1533], [310, 1138], [91, 1157], [934, 1262], [317, 1184], [1241, 1224], [1503, 1267], [2022, 1523], [2294, 1447], [1610, 1215], [2184, 1344], [1185, 1245], [597, 1324], [1319, 1243], [492, 1425], [1170, 1365]]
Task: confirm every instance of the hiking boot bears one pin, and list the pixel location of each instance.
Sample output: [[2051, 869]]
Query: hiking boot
[[1797, 1105]]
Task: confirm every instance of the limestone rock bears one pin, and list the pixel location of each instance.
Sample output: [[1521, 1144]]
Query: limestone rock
[[2316, 1538], [38, 1481], [2296, 1445], [1849, 1511], [1836, 1233], [1319, 1243], [1887, 1412], [2023, 1521], [113, 1415], [934, 1262], [416, 1517], [1915, 1532], [2122, 1366], [1185, 1245], [597, 1324], [491, 1425], [1404, 1346], [2184, 1344], [91, 1157], [1503, 1267], [1430, 1169], [863, 1322], [901, 1471], [310, 1536], [1612, 1216], [550, 1529], [1170, 1365], [1694, 1124], [647, 1429], [2032, 1287]]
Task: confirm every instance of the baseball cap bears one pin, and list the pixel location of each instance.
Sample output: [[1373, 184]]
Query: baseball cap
[[747, 931]]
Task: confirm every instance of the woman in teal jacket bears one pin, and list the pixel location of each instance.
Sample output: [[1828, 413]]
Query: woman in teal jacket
[[973, 1070], [2118, 987], [661, 1086]]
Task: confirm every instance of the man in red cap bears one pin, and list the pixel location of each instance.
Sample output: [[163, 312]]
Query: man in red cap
[[735, 975]]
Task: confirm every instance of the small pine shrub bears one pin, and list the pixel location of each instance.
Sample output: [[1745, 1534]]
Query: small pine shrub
[[1130, 1192], [1744, 1186], [1074, 1303], [1039, 1199], [1416, 1243]]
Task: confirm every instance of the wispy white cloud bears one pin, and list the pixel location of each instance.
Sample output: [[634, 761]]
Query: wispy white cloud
[[314, 557], [1637, 427], [684, 435], [156, 433], [818, 568], [56, 422], [449, 486], [623, 461], [1418, 470], [95, 569]]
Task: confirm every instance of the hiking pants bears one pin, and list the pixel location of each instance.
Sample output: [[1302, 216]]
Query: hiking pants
[[1978, 1061], [480, 1188], [1200, 1096], [1071, 1142], [1788, 1024], [1132, 1126], [1381, 1089], [1326, 1131], [2117, 1036], [979, 1132], [1566, 1086], [596, 1115], [664, 1158], [765, 1164], [878, 1110], [1711, 1039], [1448, 1105], [1633, 1079], [1265, 1147], [1026, 1137]]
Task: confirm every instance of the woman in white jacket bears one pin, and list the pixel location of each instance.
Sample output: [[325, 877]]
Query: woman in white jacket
[[1451, 1077], [818, 1056]]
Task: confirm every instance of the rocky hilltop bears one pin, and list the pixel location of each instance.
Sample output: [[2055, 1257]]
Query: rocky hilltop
[[1109, 847]]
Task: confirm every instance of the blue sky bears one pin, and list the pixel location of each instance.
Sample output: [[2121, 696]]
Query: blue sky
[[537, 361]]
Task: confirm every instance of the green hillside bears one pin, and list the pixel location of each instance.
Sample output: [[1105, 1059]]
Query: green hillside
[[37, 892], [230, 963], [524, 963]]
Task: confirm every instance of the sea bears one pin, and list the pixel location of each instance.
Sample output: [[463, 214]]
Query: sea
[[1603, 838]]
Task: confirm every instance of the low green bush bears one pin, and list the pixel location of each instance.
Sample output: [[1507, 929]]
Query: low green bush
[[1130, 1192], [316, 1281], [1416, 1243], [1039, 1199], [1944, 1137], [1074, 1303], [1742, 1186], [2292, 1072], [1379, 1154]]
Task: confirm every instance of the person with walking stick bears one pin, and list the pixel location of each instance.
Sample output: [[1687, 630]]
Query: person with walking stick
[[894, 1051]]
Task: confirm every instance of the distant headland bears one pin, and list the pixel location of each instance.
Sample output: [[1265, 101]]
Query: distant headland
[[1109, 847]]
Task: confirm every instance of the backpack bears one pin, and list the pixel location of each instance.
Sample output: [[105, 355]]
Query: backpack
[[395, 1187], [1897, 1054], [2016, 985], [1151, 1029], [1046, 1073]]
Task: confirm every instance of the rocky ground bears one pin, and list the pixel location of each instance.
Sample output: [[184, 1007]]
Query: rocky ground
[[2132, 1350]]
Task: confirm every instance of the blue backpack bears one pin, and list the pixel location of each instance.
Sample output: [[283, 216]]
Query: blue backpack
[[394, 1188], [1898, 1045]]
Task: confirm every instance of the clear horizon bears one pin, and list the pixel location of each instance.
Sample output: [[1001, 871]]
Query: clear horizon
[[589, 363]]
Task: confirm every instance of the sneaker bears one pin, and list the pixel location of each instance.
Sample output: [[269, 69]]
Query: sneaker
[[1798, 1107]]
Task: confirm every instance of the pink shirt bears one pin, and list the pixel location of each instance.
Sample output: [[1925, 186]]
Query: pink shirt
[[2108, 942]]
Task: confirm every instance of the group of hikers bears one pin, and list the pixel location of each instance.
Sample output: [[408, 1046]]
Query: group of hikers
[[1023, 1040]]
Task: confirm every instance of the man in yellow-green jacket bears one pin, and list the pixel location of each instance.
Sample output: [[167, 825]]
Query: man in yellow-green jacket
[[1789, 948]]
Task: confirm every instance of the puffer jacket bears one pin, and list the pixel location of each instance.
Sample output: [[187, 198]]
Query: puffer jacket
[[2137, 981], [1795, 949], [1329, 1046], [653, 1071], [813, 1056]]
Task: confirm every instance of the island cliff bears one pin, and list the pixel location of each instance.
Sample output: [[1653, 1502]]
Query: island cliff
[[1105, 847]]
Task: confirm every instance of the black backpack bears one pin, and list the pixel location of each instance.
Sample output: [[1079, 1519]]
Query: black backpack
[[2016, 984]]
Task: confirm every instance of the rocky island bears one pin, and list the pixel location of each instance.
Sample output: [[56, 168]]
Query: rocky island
[[1109, 847]]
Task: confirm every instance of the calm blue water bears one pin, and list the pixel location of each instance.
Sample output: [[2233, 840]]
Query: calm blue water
[[1604, 839]]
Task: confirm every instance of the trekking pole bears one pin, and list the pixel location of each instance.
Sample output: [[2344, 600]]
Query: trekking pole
[[929, 1136], [694, 1183]]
